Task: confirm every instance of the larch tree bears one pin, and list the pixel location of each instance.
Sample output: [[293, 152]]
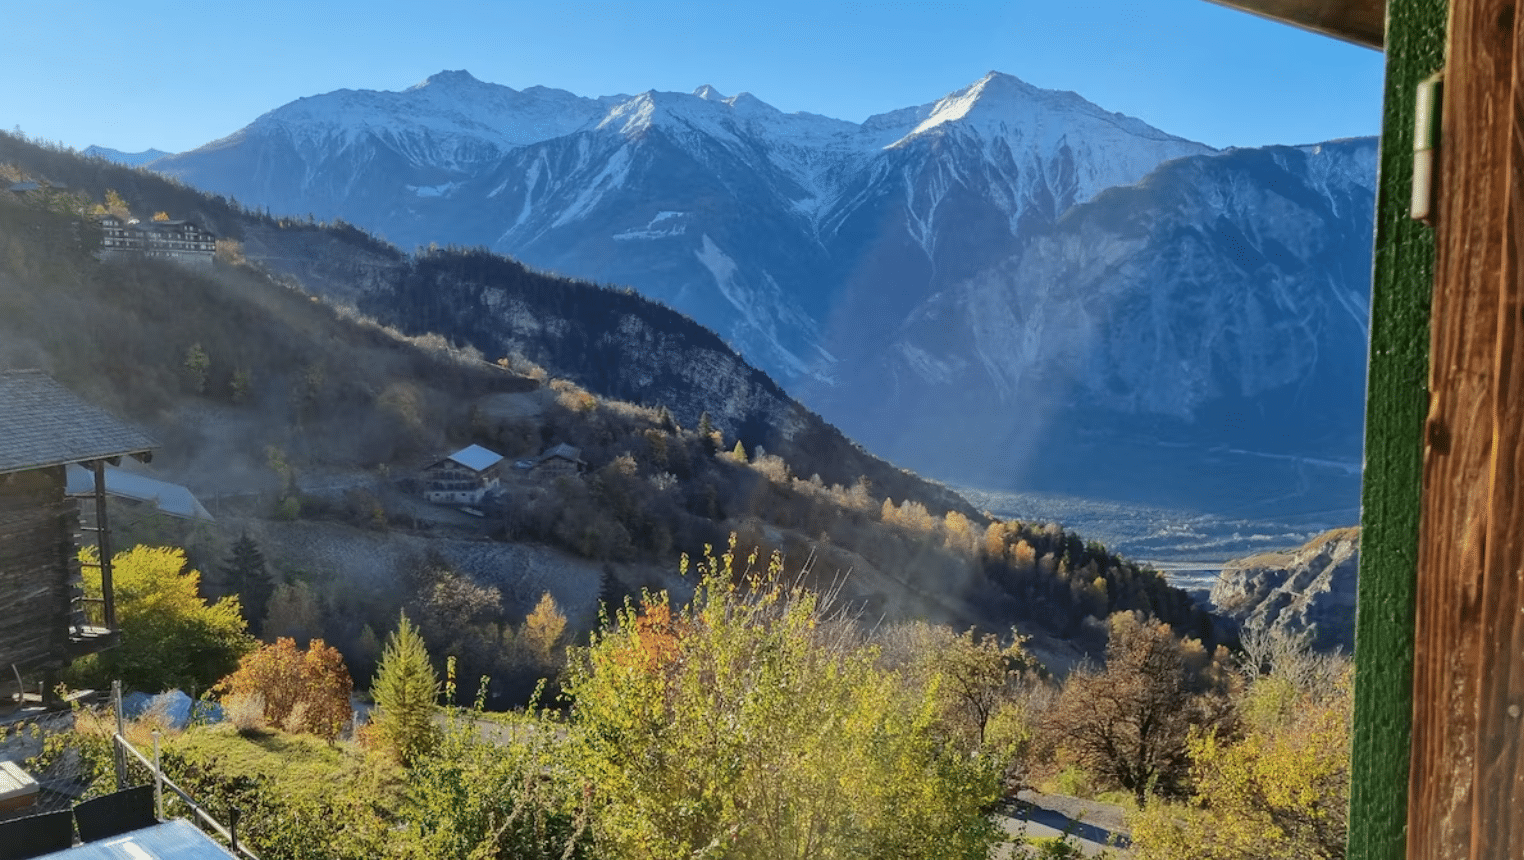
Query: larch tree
[[406, 691]]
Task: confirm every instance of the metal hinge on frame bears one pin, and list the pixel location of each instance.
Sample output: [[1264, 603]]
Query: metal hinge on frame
[[1426, 125]]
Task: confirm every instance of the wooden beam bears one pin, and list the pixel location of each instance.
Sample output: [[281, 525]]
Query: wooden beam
[[1362, 22], [103, 544], [1468, 664], [1498, 812]]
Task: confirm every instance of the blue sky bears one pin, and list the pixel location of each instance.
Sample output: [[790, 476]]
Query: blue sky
[[175, 76]]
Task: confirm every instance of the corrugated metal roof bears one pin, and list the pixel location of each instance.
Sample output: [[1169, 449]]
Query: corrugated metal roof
[[172, 499], [44, 424], [176, 839], [476, 458]]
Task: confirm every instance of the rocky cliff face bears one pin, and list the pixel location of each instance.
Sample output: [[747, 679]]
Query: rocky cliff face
[[1204, 329], [1310, 589]]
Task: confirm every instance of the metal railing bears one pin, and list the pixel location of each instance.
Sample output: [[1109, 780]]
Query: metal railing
[[124, 747], [161, 782]]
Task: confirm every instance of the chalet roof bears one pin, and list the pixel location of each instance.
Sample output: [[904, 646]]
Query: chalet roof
[[564, 452], [476, 458], [172, 499], [23, 187], [44, 424]]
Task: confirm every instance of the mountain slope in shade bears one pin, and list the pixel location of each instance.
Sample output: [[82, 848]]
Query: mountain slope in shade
[[1207, 323]]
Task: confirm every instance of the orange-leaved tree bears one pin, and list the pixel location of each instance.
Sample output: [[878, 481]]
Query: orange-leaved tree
[[303, 691]]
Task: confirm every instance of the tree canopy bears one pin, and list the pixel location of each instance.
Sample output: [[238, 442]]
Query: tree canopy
[[754, 723], [171, 638]]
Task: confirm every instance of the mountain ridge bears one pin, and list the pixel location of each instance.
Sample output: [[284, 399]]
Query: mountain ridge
[[829, 252]]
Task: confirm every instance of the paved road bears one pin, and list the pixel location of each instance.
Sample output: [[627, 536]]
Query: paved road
[[1094, 827]]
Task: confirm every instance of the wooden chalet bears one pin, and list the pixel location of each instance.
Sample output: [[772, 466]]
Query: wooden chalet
[[558, 461], [180, 241], [463, 478], [46, 622]]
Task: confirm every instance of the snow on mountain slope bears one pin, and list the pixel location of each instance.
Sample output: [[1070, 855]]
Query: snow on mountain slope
[[1219, 306], [927, 261]]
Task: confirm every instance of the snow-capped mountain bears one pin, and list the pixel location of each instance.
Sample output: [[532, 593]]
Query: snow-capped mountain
[[745, 217], [1219, 306], [1000, 246]]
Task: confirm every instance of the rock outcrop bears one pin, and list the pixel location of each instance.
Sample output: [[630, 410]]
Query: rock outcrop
[[1308, 589]]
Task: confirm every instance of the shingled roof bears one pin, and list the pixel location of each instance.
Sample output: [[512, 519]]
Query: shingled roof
[[44, 424]]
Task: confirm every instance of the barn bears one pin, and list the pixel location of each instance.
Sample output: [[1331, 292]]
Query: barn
[[44, 429]]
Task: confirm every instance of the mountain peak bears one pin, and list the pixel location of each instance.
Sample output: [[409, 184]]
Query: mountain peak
[[447, 78], [1000, 101], [708, 93]]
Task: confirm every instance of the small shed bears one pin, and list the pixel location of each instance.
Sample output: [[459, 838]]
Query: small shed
[[463, 478], [44, 428], [557, 461]]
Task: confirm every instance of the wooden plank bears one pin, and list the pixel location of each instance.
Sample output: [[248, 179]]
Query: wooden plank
[[1458, 455], [1498, 813], [1362, 22]]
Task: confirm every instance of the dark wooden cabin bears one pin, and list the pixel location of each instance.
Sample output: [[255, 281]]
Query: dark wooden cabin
[[45, 621]]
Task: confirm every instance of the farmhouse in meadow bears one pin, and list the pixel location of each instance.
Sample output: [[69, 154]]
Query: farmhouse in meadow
[[45, 429]]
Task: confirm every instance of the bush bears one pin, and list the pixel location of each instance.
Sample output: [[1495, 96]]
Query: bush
[[300, 691], [822, 753]]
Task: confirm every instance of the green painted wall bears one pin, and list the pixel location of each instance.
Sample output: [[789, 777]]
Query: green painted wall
[[1395, 409]]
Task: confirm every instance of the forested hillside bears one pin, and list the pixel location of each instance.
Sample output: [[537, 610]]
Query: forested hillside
[[254, 385]]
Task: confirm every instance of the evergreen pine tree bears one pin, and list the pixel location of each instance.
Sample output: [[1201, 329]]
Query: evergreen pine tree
[[244, 572], [706, 433], [406, 690]]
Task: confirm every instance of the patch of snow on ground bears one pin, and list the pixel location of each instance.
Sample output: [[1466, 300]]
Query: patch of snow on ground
[[650, 231], [433, 190]]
